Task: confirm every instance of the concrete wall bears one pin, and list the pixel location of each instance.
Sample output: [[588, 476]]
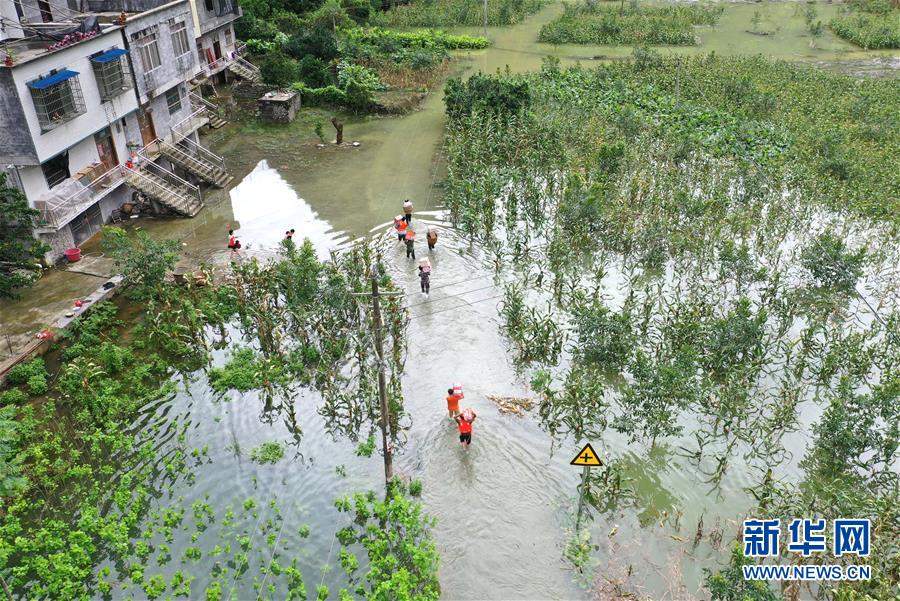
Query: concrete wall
[[16, 146], [169, 73], [210, 37], [209, 20], [98, 114], [81, 155]]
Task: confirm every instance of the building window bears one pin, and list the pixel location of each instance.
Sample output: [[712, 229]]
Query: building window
[[57, 98], [228, 39], [173, 100], [148, 50], [180, 38], [56, 170], [112, 73]]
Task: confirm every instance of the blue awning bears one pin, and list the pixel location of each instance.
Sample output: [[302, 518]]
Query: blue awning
[[109, 55], [52, 80]]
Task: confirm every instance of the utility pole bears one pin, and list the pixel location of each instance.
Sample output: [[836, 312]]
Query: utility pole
[[382, 384]]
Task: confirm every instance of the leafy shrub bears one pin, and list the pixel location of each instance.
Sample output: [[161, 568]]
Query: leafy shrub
[[314, 72], [267, 452], [279, 70], [359, 84], [143, 260], [11, 480], [329, 95], [23, 372], [250, 27], [319, 43], [415, 488], [37, 385], [13, 396], [288, 23]]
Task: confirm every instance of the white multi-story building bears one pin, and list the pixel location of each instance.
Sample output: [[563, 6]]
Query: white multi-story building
[[95, 107]]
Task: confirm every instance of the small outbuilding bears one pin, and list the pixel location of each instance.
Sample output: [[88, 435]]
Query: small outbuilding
[[280, 106]]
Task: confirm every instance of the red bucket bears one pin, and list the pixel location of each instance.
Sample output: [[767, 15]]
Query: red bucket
[[73, 254]]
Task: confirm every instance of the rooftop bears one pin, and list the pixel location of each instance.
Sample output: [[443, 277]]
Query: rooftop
[[27, 49]]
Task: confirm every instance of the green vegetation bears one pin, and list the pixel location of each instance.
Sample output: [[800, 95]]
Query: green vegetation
[[684, 244], [267, 452], [86, 500], [20, 253], [323, 52], [395, 536], [871, 24], [593, 23], [446, 13]]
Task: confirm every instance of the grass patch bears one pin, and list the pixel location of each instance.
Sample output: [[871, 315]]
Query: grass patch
[[590, 23], [430, 13]]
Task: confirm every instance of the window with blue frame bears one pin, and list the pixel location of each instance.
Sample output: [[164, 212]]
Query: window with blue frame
[[112, 73], [57, 98]]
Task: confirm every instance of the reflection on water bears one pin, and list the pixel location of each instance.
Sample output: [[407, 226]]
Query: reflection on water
[[265, 206]]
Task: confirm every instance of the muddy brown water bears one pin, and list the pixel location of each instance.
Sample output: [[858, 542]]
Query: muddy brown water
[[503, 508]]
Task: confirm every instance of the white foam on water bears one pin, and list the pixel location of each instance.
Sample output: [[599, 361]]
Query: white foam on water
[[265, 206]]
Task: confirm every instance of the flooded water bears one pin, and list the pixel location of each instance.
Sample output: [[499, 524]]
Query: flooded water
[[503, 508]]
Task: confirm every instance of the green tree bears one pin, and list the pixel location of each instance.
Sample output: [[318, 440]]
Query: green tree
[[142, 260], [19, 251], [280, 70]]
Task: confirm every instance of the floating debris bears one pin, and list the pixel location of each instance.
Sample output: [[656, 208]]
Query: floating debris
[[512, 404]]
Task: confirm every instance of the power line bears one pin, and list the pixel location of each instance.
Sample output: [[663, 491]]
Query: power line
[[448, 297]]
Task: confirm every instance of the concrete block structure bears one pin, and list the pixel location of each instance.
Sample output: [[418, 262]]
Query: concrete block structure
[[97, 107]]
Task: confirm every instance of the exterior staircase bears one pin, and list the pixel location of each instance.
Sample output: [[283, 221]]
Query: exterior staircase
[[197, 160], [181, 198], [245, 70], [212, 114]]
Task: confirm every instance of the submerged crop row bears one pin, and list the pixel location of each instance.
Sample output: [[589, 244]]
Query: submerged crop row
[[93, 506], [609, 24], [697, 256]]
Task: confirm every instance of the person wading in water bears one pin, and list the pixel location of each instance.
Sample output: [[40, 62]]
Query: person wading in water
[[410, 241], [407, 211], [425, 276], [464, 420]]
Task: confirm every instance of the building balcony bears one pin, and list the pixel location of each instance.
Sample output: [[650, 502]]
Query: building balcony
[[75, 195]]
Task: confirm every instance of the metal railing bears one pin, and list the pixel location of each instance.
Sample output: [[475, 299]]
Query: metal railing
[[203, 153], [197, 102], [188, 125], [171, 182], [57, 214], [247, 64]]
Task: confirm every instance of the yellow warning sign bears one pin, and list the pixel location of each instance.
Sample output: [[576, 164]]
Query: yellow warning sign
[[586, 456]]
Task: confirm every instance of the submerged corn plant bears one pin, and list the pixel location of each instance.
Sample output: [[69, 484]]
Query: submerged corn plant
[[688, 264]]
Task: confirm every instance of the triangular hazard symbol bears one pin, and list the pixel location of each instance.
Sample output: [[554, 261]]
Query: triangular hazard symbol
[[586, 456]]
